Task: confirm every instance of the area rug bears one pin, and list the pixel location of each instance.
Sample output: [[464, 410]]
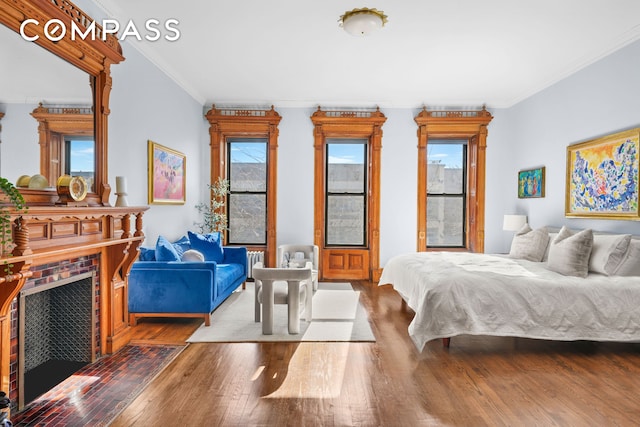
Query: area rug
[[337, 316], [97, 393]]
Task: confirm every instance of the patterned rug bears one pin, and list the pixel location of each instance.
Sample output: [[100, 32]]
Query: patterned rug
[[97, 393]]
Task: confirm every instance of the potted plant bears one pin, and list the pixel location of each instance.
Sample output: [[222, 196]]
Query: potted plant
[[214, 217], [11, 197]]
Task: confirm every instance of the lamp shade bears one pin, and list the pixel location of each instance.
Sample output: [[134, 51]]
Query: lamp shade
[[513, 222], [360, 22]]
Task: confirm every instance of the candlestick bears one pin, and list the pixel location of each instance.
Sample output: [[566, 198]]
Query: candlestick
[[121, 191], [121, 184]]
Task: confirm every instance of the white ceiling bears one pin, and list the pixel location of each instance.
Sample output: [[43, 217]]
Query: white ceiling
[[453, 53]]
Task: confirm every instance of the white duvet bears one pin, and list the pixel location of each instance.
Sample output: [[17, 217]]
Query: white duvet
[[454, 293]]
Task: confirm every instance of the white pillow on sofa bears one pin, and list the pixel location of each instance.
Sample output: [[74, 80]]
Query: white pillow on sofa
[[609, 250], [569, 253], [529, 244], [192, 255], [630, 265]]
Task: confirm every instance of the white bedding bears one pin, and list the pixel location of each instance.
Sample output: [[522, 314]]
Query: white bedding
[[454, 293]]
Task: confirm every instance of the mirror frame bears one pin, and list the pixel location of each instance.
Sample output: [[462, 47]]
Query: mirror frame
[[94, 56]]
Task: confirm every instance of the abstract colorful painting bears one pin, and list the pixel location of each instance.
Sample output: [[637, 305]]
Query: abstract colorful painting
[[167, 175], [531, 183], [602, 177]]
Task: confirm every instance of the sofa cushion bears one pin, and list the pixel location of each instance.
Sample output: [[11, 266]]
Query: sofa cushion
[[165, 250], [210, 245], [227, 274], [182, 245], [147, 254]]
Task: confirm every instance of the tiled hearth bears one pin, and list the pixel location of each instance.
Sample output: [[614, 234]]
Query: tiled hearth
[[97, 393]]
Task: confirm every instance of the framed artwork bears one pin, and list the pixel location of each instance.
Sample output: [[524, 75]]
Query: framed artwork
[[167, 175], [531, 183], [602, 177]]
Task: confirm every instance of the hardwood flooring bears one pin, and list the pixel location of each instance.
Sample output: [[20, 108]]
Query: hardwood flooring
[[478, 381]]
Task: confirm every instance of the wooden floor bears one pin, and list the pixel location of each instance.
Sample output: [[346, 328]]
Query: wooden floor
[[478, 381]]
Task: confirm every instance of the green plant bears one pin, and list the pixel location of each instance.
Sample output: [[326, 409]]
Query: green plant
[[12, 197], [213, 214]]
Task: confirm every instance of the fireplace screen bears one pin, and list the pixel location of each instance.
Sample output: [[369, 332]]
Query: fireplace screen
[[56, 337]]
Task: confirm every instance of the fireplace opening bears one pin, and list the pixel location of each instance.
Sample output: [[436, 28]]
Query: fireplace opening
[[56, 334]]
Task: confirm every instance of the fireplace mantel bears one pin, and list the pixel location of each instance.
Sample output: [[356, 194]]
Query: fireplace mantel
[[49, 234]]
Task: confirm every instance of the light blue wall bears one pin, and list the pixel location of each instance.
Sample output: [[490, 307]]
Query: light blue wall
[[147, 105], [596, 101]]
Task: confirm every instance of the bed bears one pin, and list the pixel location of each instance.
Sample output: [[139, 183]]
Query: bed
[[455, 293]]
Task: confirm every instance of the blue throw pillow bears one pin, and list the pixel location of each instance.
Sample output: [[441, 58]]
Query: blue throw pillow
[[147, 254], [182, 245], [210, 245], [165, 250]]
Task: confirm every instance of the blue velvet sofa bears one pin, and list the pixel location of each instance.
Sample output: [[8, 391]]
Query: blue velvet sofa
[[163, 283]]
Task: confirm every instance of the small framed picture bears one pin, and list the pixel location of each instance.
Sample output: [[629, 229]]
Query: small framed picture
[[531, 183], [167, 175]]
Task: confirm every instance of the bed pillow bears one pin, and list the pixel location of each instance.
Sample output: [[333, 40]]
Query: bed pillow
[[552, 237], [210, 245], [609, 250], [529, 244], [569, 253], [630, 265], [192, 255], [165, 250]]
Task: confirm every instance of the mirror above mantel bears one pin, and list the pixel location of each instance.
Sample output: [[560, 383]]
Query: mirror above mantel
[[91, 56]]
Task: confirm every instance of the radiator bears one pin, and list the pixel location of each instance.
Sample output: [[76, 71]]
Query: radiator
[[252, 258]]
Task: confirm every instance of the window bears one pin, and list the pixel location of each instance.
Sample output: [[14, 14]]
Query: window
[[247, 207], [446, 193], [79, 159], [346, 199]]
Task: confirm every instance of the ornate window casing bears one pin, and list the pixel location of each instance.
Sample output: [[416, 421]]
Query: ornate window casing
[[468, 125], [227, 124], [338, 261]]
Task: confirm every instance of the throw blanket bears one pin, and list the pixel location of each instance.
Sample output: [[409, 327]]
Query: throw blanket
[[455, 293]]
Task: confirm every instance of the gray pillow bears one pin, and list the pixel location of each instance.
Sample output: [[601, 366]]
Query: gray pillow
[[609, 250], [630, 265], [529, 244], [569, 253]]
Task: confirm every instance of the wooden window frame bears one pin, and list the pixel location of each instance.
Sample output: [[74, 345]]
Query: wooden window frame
[[229, 123], [469, 125], [349, 124]]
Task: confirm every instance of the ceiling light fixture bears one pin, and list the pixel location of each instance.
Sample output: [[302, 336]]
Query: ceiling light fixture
[[360, 22]]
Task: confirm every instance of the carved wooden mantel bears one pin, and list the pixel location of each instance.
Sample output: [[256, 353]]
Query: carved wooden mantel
[[48, 234]]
